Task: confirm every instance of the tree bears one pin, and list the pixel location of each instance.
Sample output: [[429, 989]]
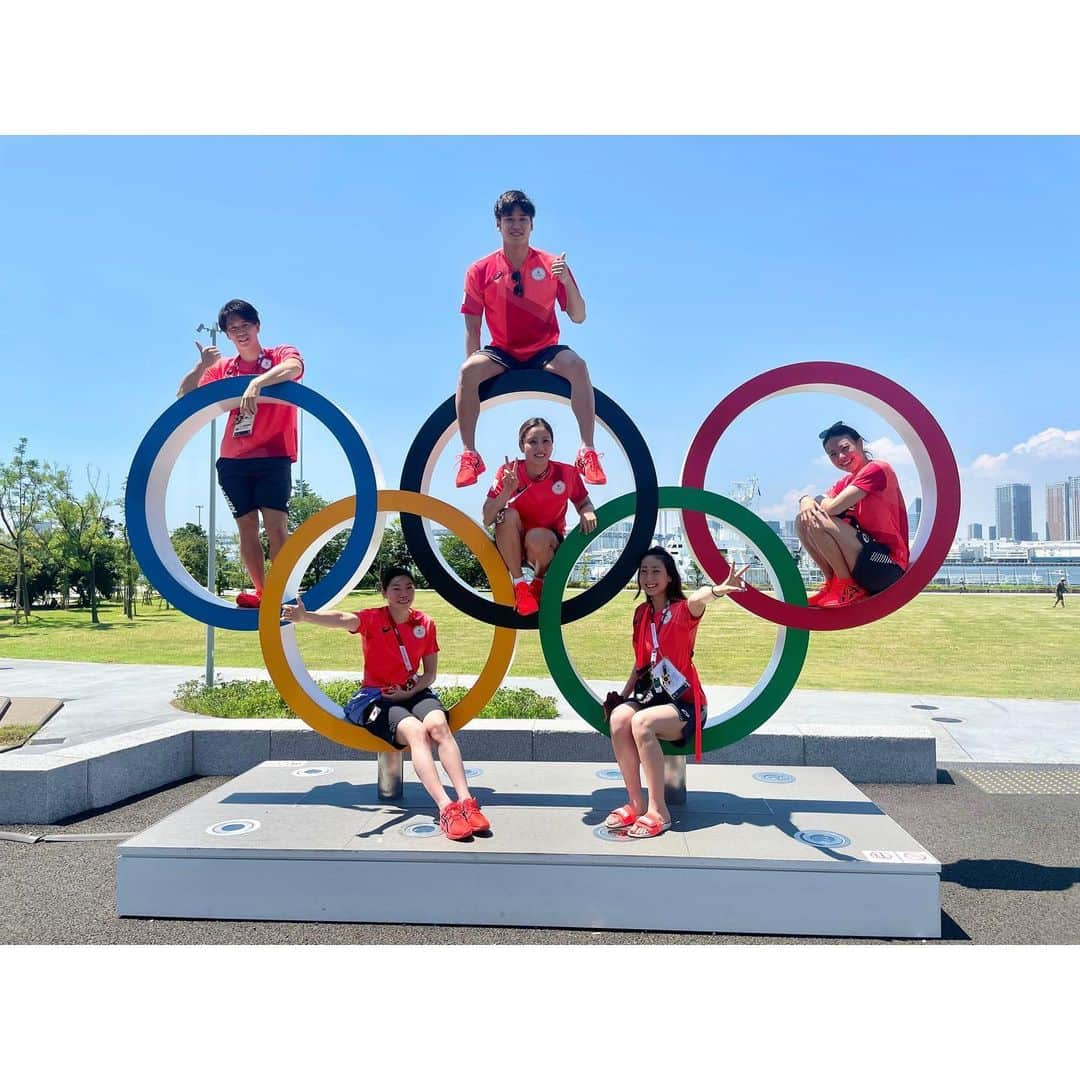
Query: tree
[[304, 503], [82, 535], [462, 561], [24, 484], [191, 543]]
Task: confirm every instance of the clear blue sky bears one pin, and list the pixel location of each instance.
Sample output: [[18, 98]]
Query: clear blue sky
[[947, 264]]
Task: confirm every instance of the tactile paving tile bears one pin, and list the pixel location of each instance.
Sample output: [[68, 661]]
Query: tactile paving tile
[[1024, 781]]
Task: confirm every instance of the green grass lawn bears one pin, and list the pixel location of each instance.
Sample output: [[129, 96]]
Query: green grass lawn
[[940, 643]]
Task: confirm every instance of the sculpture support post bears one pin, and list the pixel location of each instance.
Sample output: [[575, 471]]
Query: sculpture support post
[[391, 774], [675, 780]]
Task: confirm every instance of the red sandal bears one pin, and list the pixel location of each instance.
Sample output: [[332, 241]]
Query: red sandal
[[648, 827], [623, 818]]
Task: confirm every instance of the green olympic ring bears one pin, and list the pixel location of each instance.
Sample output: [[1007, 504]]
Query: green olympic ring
[[789, 652]]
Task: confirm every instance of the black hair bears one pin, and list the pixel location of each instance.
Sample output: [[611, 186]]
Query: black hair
[[839, 428], [237, 307], [392, 572], [509, 201], [536, 421], [674, 589]]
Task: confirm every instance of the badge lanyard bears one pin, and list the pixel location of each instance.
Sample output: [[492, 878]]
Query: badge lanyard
[[401, 647]]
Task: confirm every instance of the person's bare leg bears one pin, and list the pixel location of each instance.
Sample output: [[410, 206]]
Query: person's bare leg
[[624, 747], [582, 400], [508, 541], [411, 732], [276, 524], [251, 552], [649, 725], [438, 730], [473, 372], [540, 547]]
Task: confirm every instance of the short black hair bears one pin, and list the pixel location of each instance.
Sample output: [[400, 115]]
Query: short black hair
[[392, 572], [509, 201], [839, 428], [242, 308]]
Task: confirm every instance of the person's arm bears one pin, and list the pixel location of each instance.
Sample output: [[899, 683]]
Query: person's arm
[[586, 515], [207, 356], [495, 504], [697, 600], [815, 510], [575, 302], [472, 334], [334, 620], [288, 369]]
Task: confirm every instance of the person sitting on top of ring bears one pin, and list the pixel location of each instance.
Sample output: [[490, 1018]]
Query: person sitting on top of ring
[[857, 532], [396, 640], [527, 503], [516, 289], [259, 444]]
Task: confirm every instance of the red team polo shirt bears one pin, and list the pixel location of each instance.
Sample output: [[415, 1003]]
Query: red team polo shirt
[[542, 503], [274, 433], [522, 325], [383, 664], [676, 630], [880, 512]]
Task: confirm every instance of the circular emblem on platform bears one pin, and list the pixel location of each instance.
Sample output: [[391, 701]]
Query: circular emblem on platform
[[602, 832], [235, 827], [422, 829], [472, 771], [823, 838], [281, 764], [313, 770], [609, 774], [774, 777]]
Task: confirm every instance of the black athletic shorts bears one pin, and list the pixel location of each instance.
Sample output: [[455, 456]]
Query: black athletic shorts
[[254, 483], [378, 722], [644, 694], [874, 569], [534, 362]]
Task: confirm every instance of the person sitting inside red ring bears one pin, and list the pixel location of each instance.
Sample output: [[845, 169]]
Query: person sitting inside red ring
[[857, 532], [527, 503]]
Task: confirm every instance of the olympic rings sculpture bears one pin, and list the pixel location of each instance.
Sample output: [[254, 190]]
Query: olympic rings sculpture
[[365, 514]]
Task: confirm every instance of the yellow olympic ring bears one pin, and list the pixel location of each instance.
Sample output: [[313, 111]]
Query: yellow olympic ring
[[318, 528]]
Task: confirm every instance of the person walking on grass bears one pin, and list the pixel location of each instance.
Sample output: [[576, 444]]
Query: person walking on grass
[[1060, 590], [401, 653], [515, 289], [662, 698], [259, 445]]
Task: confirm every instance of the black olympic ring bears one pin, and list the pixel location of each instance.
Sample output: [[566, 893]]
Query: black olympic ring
[[436, 433]]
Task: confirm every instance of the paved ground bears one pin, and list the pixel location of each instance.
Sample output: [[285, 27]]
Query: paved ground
[[107, 699], [1010, 874]]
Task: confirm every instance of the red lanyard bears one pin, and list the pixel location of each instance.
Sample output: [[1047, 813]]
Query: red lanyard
[[405, 659]]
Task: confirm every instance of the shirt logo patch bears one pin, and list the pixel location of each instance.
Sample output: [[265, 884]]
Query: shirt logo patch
[[265, 363], [498, 274], [418, 631], [539, 273], [558, 487]]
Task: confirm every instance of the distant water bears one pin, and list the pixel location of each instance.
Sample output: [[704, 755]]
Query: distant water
[[1045, 575]]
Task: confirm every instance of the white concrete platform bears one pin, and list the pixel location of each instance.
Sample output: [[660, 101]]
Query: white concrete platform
[[769, 850]]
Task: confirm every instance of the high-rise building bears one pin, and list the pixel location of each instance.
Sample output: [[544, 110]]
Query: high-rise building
[[1072, 508], [914, 513], [1014, 512], [1057, 514], [992, 532], [775, 526], [975, 531]]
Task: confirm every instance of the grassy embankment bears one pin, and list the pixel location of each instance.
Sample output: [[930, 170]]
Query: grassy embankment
[[968, 645]]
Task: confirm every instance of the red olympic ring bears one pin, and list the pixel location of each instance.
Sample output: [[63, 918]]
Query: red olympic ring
[[938, 475]]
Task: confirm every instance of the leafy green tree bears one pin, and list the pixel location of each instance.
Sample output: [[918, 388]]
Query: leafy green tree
[[83, 534], [304, 503], [462, 561], [24, 485]]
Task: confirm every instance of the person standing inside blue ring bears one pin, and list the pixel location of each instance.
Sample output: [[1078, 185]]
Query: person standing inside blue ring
[[516, 289], [260, 441]]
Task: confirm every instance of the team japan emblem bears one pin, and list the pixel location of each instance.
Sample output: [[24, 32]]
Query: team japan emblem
[[539, 273], [418, 631], [558, 487], [265, 363]]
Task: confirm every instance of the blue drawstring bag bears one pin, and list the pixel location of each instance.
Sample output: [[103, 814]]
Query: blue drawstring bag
[[362, 704]]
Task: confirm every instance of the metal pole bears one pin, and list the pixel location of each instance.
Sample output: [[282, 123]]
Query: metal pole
[[391, 774], [675, 780], [211, 532]]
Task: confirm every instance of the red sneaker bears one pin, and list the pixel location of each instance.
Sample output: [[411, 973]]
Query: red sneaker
[[823, 594], [845, 592], [588, 464], [470, 466], [454, 823], [475, 817], [524, 601], [536, 587], [248, 599]]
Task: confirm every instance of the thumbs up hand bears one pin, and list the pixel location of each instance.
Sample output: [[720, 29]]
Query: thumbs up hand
[[559, 269], [207, 355]]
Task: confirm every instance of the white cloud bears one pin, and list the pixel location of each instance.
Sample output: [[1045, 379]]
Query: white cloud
[[988, 464], [1052, 443]]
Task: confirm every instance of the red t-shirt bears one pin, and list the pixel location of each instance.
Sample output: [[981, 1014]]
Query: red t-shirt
[[880, 512], [522, 325], [274, 431], [383, 662], [542, 503], [676, 632]]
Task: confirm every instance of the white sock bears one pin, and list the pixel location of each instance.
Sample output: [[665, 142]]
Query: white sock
[[518, 580]]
